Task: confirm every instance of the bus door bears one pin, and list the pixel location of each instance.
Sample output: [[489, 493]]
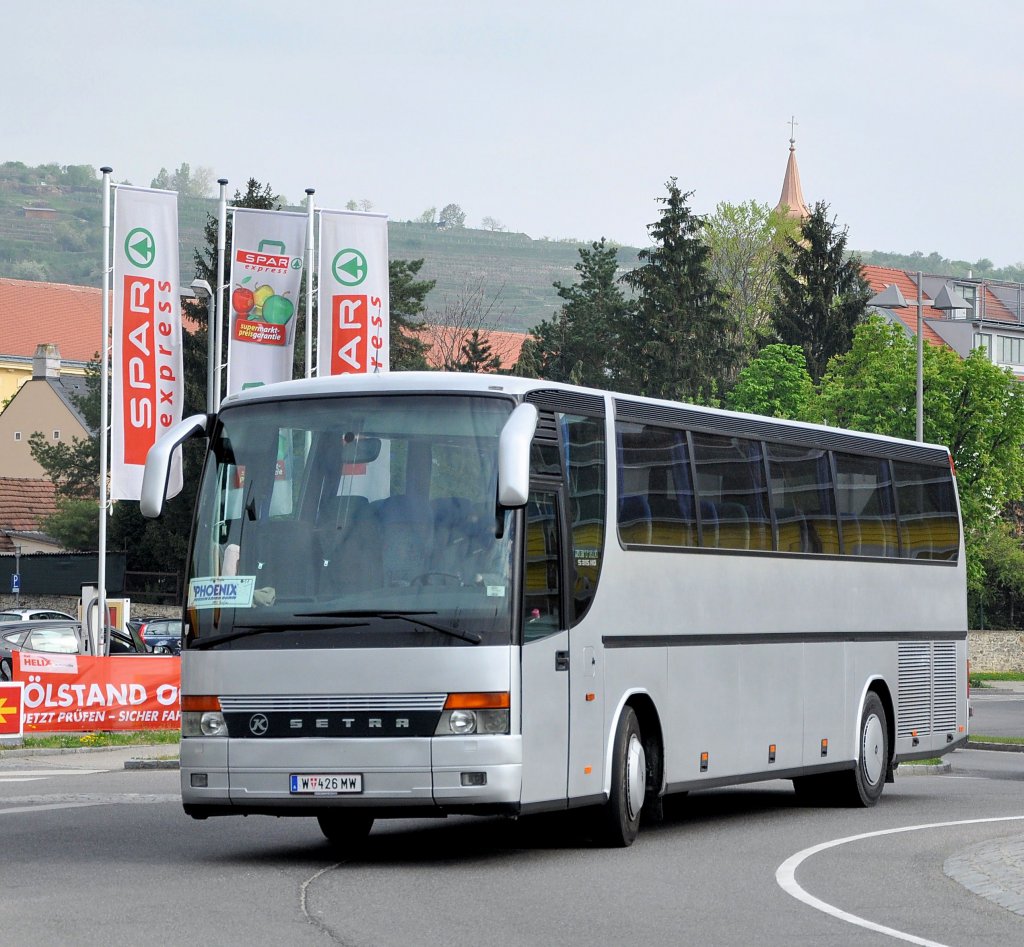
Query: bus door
[[545, 653]]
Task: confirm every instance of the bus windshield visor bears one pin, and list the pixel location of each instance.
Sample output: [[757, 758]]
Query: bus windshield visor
[[352, 521]]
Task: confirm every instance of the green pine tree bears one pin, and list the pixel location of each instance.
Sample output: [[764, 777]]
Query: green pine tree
[[822, 293], [577, 344], [673, 343]]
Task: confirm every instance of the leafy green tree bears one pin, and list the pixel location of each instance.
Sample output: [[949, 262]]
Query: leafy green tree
[[745, 241], [971, 405], [674, 342], [823, 294], [997, 602], [775, 383], [185, 181], [452, 217], [577, 344], [74, 524], [408, 302]]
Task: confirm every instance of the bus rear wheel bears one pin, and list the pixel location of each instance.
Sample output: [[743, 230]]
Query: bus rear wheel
[[620, 817], [862, 786], [345, 828]]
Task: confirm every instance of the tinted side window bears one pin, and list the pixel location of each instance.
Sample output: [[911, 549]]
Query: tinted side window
[[656, 500], [542, 614], [929, 528], [733, 493], [583, 442], [803, 499], [865, 502]]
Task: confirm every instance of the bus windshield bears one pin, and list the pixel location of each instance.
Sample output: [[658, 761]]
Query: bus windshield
[[352, 521]]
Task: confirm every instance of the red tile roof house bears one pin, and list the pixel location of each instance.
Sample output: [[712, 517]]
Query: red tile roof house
[[23, 506], [991, 320]]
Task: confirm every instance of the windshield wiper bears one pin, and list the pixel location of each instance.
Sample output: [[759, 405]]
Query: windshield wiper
[[409, 616], [246, 631]]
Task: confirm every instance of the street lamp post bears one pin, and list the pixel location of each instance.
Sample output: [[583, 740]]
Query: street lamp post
[[892, 298], [201, 289]]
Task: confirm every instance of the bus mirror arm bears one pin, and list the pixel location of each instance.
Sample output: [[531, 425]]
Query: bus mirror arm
[[514, 457], [158, 461]]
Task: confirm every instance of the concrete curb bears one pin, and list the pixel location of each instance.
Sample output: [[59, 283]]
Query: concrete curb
[[151, 764], [923, 769], [999, 747]]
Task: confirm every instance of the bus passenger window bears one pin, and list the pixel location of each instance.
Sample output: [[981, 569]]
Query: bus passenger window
[[929, 528], [541, 585], [803, 499], [865, 501]]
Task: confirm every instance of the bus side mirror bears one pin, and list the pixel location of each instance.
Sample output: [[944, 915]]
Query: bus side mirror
[[158, 462], [514, 456]]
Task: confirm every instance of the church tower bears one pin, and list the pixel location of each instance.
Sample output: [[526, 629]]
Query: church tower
[[792, 201]]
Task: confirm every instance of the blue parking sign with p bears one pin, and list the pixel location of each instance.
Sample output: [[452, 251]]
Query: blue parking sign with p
[[15, 582]]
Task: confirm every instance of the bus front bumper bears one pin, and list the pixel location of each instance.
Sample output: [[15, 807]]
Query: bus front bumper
[[398, 777]]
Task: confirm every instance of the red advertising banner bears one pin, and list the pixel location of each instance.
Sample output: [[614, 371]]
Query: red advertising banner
[[79, 692], [11, 718]]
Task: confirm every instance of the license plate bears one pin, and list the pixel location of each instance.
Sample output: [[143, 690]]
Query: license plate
[[327, 783]]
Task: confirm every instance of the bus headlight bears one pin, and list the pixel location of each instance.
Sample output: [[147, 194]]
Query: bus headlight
[[201, 716], [480, 713], [208, 723]]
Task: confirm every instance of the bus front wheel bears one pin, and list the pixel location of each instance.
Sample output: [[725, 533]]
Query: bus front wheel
[[620, 817], [863, 785], [345, 828]]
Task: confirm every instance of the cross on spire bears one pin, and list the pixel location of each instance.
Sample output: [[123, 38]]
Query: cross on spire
[[792, 131]]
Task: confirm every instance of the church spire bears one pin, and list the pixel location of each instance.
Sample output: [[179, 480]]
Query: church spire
[[792, 200]]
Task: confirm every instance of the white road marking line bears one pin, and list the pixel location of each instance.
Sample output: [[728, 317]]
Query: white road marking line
[[49, 805], [18, 773], [785, 876]]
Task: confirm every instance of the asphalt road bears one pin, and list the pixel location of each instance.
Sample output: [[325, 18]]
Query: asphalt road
[[96, 854], [998, 711]]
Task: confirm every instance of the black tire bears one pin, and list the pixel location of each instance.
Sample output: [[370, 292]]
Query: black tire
[[345, 828], [5, 670], [862, 786], [620, 817]]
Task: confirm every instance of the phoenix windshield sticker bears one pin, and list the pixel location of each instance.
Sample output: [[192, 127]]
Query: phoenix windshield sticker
[[221, 592]]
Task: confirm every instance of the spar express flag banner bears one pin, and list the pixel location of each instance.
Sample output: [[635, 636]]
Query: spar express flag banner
[[80, 692], [267, 249], [146, 363], [353, 313]]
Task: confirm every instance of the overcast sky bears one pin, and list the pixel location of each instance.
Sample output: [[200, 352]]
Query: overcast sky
[[559, 119]]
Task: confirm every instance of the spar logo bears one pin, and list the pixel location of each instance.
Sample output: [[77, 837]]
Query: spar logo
[[261, 262]]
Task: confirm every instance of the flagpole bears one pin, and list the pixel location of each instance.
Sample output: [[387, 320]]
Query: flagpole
[[222, 217], [309, 281], [98, 635]]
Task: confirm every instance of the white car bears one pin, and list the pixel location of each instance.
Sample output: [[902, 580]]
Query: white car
[[34, 614]]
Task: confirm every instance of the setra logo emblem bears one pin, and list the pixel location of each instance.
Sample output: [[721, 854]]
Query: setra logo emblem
[[258, 724]]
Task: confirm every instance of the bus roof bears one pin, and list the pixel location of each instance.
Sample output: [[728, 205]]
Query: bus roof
[[519, 388]]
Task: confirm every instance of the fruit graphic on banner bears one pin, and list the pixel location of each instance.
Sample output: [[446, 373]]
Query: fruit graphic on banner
[[262, 294], [242, 300], [278, 309]]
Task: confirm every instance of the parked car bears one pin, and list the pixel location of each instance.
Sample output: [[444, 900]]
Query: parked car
[[159, 632], [62, 637], [33, 614]]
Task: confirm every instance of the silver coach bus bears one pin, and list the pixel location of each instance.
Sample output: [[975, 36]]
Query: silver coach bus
[[421, 594]]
